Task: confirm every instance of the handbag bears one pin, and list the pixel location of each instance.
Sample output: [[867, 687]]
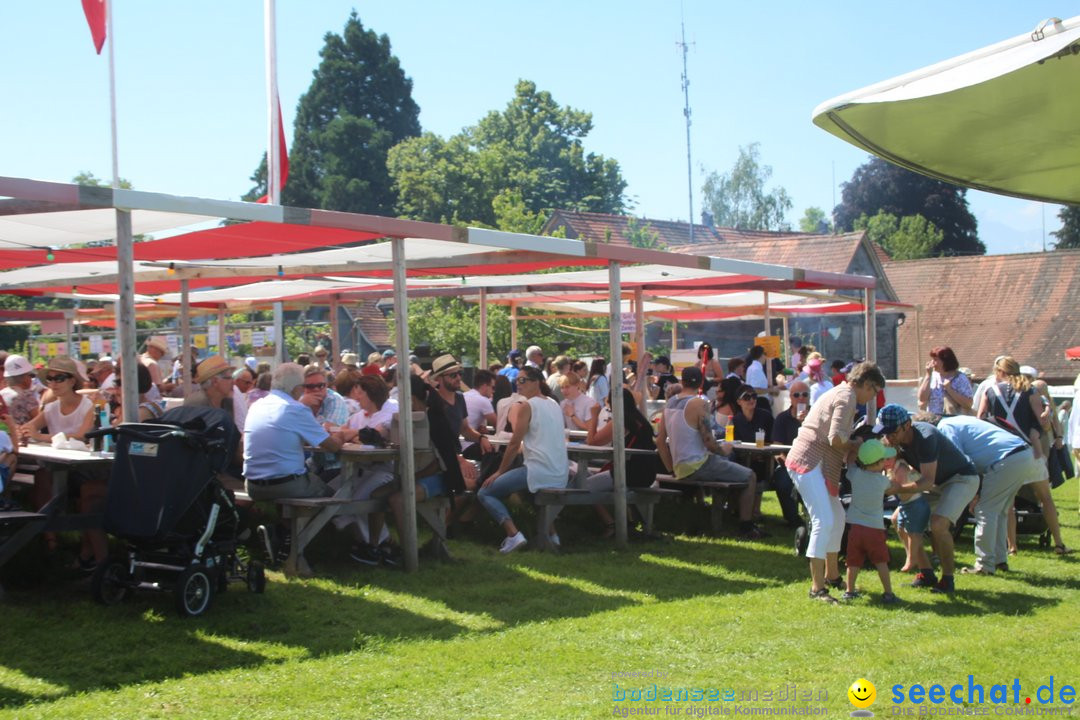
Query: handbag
[[1059, 465]]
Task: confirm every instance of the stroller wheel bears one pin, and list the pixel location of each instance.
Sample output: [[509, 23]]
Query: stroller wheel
[[1044, 539], [109, 583], [256, 577], [194, 590]]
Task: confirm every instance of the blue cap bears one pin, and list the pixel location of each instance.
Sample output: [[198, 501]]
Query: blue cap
[[890, 418], [389, 352], [515, 353]]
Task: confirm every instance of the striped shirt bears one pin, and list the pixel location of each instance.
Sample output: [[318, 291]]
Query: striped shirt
[[832, 416]]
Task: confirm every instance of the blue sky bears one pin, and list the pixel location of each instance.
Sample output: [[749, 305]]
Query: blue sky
[[192, 102]]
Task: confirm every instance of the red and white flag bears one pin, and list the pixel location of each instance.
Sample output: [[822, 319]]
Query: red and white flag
[[283, 158], [95, 18]]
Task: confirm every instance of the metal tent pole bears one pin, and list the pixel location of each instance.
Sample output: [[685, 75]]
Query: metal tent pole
[[618, 438], [406, 463]]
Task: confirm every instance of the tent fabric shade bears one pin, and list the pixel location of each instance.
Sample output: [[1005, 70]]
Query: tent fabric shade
[[1001, 119], [1073, 353]]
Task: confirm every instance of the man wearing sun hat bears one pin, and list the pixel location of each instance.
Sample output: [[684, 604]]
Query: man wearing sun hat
[[213, 378], [19, 394], [156, 361], [446, 377], [945, 471]]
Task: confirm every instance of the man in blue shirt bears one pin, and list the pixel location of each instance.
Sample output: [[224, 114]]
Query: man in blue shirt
[[277, 429], [944, 470], [1005, 462]]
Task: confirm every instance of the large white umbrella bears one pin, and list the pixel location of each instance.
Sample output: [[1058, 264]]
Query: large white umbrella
[[1004, 119]]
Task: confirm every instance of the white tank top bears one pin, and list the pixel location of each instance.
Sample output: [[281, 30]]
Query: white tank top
[[71, 424], [545, 445], [685, 441]]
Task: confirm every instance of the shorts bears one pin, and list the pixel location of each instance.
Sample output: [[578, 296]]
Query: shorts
[[432, 484], [864, 542], [954, 495], [914, 515]]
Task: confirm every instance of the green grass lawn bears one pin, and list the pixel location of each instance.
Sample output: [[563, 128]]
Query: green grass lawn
[[536, 636]]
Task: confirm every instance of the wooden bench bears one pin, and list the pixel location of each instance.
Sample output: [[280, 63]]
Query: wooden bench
[[551, 501], [306, 518], [718, 489]]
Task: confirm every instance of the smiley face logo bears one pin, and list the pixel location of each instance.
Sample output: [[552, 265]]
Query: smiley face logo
[[862, 693]]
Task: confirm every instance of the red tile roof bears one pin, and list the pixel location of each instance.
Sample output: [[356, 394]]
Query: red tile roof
[[1025, 305]]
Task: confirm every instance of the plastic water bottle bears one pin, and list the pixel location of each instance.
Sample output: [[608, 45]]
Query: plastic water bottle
[[107, 440]]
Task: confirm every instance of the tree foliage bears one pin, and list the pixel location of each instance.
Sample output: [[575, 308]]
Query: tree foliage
[[814, 221], [86, 177], [738, 198], [907, 238], [534, 148], [1068, 237], [359, 105], [879, 186], [643, 236]]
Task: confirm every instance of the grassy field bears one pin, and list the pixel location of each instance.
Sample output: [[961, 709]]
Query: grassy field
[[537, 636]]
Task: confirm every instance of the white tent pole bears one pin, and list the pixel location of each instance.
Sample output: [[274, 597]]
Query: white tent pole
[[128, 350], [674, 335], [765, 312], [513, 325], [483, 330], [72, 351], [406, 463], [223, 347], [185, 338], [641, 383], [871, 346], [273, 160], [111, 35], [786, 350], [281, 352], [335, 361], [917, 370], [618, 436]]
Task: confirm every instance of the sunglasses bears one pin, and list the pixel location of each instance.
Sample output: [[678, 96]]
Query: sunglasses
[[800, 394], [522, 380], [58, 378], [451, 375], [314, 386], [748, 396]]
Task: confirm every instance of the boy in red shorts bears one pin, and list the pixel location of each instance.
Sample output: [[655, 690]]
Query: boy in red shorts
[[866, 526]]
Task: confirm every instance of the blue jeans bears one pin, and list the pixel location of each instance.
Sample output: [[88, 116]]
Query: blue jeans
[[508, 483]]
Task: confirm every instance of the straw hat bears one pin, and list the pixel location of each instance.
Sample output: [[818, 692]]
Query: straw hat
[[157, 341], [444, 364], [211, 366], [64, 364], [349, 358]]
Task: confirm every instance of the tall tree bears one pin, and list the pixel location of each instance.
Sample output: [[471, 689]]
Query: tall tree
[[879, 186], [534, 147], [738, 198], [814, 221], [359, 105], [1068, 237], [907, 238]]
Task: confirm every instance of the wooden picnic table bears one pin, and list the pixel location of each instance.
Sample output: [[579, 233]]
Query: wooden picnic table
[[53, 516]]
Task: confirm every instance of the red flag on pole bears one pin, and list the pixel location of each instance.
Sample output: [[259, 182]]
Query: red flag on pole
[[283, 154], [95, 18]]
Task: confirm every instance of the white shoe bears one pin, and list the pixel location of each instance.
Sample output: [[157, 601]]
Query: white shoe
[[554, 539], [512, 543]]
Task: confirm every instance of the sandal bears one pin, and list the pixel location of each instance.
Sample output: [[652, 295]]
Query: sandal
[[1062, 550]]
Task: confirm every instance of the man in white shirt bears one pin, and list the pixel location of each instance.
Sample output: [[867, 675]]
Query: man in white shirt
[[479, 411]]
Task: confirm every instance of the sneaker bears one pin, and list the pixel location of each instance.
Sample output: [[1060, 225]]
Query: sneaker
[[389, 555], [975, 571], [823, 595], [923, 580], [753, 533], [851, 595], [837, 583], [944, 587], [512, 543], [1002, 567], [554, 540], [364, 554], [890, 599]]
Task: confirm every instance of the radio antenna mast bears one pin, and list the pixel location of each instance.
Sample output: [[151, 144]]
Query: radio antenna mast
[[686, 112]]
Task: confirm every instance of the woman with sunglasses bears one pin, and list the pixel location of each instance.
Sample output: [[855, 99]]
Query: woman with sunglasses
[[72, 414]]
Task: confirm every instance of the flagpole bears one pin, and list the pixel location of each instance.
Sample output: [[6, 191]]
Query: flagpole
[[273, 159], [125, 253]]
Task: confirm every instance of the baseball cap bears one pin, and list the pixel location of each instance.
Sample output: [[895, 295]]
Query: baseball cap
[[1029, 371], [389, 352], [513, 354], [873, 451], [891, 417], [691, 375]]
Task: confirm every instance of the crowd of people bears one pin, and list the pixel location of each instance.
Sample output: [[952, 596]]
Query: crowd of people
[[971, 447]]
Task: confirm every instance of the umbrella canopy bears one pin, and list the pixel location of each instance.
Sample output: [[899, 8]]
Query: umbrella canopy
[[1073, 353], [1005, 119]]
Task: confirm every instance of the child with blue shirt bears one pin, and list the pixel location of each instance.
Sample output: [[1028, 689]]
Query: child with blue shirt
[[866, 526]]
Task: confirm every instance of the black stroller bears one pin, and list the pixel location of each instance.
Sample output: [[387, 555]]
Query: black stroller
[[178, 521]]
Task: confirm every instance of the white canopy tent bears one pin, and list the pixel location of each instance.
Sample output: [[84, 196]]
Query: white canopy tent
[[1002, 118]]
